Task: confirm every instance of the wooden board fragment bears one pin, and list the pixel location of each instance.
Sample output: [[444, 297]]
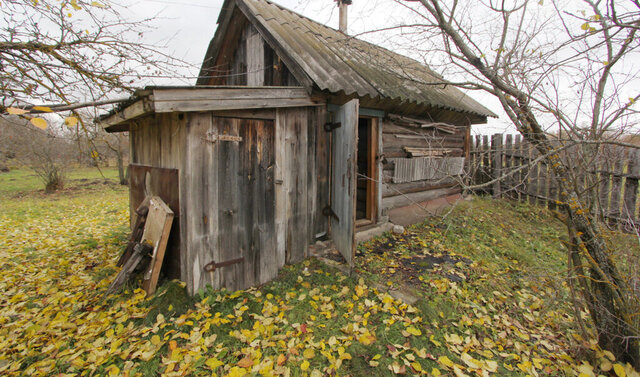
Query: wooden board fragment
[[156, 231], [426, 152], [426, 168], [343, 179]]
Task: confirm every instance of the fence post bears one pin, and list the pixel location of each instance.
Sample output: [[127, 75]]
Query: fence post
[[486, 162], [508, 166], [496, 148]]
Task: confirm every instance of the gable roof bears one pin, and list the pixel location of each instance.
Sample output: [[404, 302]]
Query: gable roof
[[336, 62]]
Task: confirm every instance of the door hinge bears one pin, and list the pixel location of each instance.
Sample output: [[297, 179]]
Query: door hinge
[[327, 211], [332, 126], [212, 266]]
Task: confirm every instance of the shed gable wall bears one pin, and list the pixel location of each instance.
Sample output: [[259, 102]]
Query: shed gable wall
[[247, 59]]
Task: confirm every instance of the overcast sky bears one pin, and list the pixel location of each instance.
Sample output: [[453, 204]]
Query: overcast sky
[[187, 26]]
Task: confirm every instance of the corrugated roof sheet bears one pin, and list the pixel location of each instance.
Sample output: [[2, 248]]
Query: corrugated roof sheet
[[337, 62]]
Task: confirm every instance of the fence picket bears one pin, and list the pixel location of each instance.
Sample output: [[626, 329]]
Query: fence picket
[[616, 180]]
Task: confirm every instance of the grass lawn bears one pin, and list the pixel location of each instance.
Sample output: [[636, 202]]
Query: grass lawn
[[489, 277], [20, 182]]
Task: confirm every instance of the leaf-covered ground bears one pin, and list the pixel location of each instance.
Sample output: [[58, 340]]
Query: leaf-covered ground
[[489, 276]]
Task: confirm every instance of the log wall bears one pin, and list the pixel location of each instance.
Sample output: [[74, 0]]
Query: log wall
[[399, 142]]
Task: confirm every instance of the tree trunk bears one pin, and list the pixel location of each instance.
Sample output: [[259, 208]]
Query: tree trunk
[[121, 173]]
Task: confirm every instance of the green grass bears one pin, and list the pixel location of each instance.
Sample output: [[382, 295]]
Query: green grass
[[20, 182], [510, 307]]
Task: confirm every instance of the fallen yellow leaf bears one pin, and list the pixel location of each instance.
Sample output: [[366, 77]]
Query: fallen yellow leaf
[[39, 122], [619, 370], [245, 362]]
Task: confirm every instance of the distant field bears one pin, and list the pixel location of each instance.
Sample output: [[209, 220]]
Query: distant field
[[25, 181]]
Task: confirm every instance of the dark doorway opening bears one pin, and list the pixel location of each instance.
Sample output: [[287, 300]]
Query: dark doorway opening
[[366, 182]]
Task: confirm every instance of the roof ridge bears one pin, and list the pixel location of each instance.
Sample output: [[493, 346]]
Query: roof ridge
[[335, 61], [351, 37]]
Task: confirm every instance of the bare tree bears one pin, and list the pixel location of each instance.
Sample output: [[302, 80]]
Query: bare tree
[[48, 152], [73, 54], [556, 67]]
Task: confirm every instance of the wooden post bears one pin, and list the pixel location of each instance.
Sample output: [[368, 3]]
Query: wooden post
[[530, 172], [486, 162], [508, 164], [518, 177], [497, 151]]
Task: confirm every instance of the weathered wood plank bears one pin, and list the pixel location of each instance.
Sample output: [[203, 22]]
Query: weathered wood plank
[[426, 168], [281, 187], [508, 166], [343, 184], [201, 204], [312, 176], [247, 114], [255, 58], [496, 162], [156, 232], [227, 93], [379, 169], [231, 104], [518, 162], [296, 178], [135, 110], [264, 226], [321, 222], [229, 205]]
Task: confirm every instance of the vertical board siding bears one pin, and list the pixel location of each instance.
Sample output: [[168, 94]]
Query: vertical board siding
[[280, 190], [295, 126], [612, 177], [426, 168], [231, 202], [159, 142], [261, 198], [201, 204], [319, 224], [255, 58], [254, 63]]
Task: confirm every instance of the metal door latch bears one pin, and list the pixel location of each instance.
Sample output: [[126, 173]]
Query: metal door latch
[[328, 127], [327, 211], [212, 266]]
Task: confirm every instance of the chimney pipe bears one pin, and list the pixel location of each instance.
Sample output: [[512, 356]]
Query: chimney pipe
[[342, 5]]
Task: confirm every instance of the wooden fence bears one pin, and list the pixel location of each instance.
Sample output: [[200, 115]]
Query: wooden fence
[[612, 176]]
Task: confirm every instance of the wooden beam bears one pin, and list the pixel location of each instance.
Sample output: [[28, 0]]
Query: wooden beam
[[227, 93], [114, 122]]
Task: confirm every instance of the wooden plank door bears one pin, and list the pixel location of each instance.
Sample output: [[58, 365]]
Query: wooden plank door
[[246, 197], [343, 179]]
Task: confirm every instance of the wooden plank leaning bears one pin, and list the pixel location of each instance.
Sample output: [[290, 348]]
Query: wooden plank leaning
[[156, 232]]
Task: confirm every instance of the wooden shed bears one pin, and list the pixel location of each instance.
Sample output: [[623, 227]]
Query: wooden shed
[[294, 132]]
